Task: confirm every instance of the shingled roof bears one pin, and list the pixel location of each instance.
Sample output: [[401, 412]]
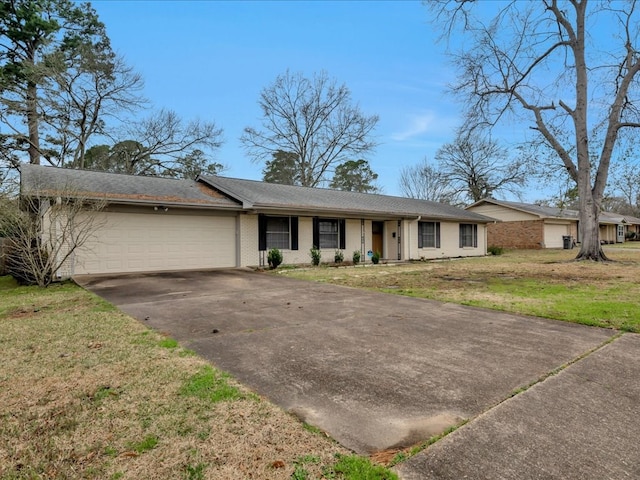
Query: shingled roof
[[230, 193], [539, 210], [119, 188], [270, 196]]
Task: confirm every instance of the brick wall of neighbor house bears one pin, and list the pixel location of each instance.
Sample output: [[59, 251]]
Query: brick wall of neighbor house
[[523, 234]]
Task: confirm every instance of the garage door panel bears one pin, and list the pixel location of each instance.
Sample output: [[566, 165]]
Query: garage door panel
[[131, 242], [553, 235]]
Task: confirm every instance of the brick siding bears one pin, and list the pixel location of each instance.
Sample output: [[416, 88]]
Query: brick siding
[[521, 234]]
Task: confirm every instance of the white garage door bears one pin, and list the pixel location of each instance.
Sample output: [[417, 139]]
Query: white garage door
[[553, 235], [140, 242]]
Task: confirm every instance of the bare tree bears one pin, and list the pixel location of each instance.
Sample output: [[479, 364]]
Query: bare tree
[[31, 34], [313, 119], [625, 183], [88, 89], [44, 229], [160, 145], [164, 139], [553, 65], [477, 168], [426, 182]]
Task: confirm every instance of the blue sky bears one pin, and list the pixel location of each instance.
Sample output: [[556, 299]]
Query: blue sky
[[211, 59]]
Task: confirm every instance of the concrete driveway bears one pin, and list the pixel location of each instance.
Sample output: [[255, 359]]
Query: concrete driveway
[[379, 371]]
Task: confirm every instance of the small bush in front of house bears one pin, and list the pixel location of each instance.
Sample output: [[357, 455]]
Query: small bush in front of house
[[274, 257], [356, 257], [494, 250], [315, 255], [338, 257], [375, 258]]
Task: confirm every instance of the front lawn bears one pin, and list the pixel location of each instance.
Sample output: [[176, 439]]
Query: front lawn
[[544, 283]]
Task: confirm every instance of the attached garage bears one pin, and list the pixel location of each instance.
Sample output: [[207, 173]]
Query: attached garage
[[146, 241], [524, 225], [553, 234]]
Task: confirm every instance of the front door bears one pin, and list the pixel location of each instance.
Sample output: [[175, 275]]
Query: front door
[[377, 229]]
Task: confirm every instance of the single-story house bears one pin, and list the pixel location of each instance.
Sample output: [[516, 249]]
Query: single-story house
[[615, 227], [524, 225], [154, 224]]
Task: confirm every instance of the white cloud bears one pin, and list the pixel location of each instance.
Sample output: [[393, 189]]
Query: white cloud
[[418, 125]]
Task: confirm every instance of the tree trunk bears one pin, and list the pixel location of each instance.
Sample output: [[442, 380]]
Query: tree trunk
[[32, 123], [590, 248]]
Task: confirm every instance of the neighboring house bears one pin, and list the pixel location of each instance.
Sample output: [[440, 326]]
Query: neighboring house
[[524, 225], [153, 224], [632, 226], [614, 227]]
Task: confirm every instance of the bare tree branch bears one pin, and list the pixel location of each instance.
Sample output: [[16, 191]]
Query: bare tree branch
[[312, 119], [545, 64]]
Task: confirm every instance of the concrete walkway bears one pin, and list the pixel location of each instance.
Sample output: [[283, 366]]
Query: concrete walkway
[[380, 371], [580, 424]]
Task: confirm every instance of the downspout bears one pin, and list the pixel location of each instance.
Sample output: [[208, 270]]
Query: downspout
[[362, 240], [418, 218], [399, 240], [238, 241]]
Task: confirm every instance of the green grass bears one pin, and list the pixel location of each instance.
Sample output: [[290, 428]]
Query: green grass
[[354, 467], [544, 283], [168, 342], [148, 443], [211, 385], [586, 304]]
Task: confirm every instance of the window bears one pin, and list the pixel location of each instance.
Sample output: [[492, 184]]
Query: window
[[429, 235], [468, 235], [328, 230], [277, 232], [329, 233]]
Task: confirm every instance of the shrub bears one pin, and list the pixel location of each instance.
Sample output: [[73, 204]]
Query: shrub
[[356, 257], [29, 266], [315, 255], [338, 257], [274, 257], [375, 258], [494, 250]]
